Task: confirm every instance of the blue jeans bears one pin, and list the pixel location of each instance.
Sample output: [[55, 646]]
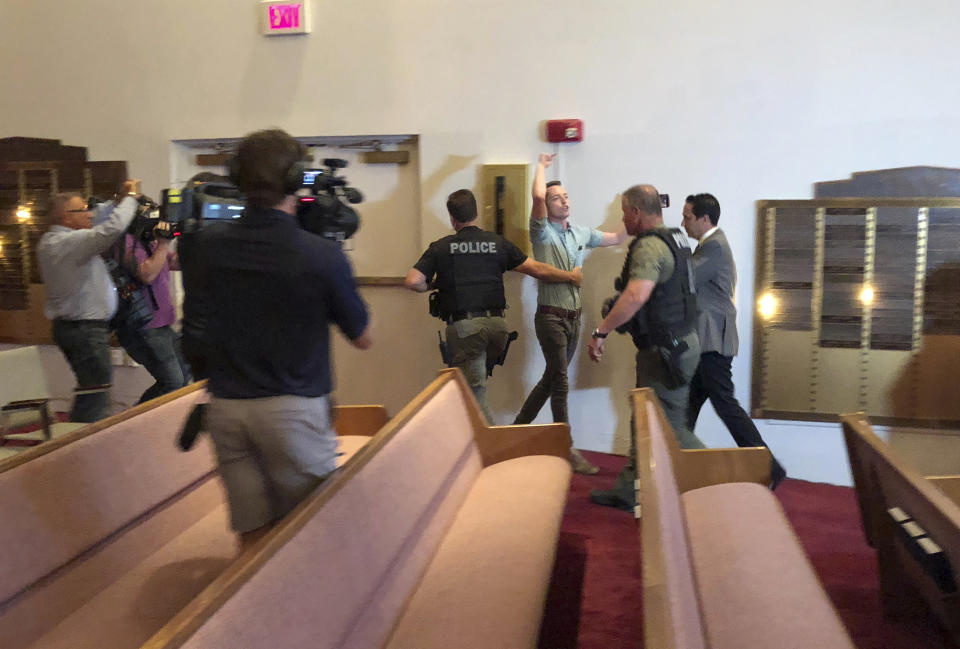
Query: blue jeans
[[86, 344], [158, 350]]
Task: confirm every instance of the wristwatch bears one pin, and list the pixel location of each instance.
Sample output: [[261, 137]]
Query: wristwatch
[[596, 333]]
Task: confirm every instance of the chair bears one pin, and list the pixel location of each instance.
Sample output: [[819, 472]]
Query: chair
[[24, 399]]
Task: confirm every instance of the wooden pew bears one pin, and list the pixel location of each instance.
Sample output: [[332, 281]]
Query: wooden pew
[[110, 530], [912, 521], [721, 566], [440, 533]]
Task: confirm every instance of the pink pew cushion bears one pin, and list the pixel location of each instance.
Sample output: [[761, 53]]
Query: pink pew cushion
[[757, 588], [486, 586]]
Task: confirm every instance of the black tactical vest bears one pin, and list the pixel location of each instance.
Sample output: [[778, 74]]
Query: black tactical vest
[[671, 311], [470, 267]]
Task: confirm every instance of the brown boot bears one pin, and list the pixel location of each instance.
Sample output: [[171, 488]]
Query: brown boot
[[580, 463]]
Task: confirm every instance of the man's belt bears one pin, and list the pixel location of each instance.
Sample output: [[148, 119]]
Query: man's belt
[[466, 315], [76, 323], [566, 314]]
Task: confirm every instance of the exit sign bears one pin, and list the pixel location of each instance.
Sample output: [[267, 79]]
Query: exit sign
[[279, 17]]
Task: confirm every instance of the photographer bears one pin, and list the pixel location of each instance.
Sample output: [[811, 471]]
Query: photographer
[[150, 257], [271, 289], [657, 303], [81, 297]]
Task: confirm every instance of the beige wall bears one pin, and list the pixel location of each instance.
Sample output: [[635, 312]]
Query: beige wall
[[746, 100]]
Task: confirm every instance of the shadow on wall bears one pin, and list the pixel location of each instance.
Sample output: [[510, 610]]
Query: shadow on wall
[[617, 369], [430, 186], [929, 386]]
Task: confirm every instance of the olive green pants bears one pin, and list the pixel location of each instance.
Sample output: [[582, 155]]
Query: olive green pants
[[470, 343], [651, 373]]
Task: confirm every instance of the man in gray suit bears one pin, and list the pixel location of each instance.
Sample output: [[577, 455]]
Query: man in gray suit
[[716, 278]]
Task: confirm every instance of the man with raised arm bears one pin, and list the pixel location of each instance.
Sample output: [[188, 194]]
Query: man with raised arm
[[81, 297], [558, 242], [469, 267]]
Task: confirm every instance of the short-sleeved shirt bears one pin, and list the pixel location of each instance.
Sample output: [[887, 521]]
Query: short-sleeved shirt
[[469, 268], [564, 248], [163, 312], [652, 260], [272, 288]]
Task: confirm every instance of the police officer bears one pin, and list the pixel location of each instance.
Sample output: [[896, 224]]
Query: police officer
[[657, 303], [469, 267]]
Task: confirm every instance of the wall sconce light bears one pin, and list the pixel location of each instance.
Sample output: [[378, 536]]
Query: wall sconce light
[[767, 306]]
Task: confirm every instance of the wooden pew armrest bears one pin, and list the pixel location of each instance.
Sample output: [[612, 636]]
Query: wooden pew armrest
[[359, 420], [40, 406], [499, 443], [709, 466], [948, 484], [25, 404]]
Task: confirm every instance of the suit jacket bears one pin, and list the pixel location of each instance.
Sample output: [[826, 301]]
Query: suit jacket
[[716, 279]]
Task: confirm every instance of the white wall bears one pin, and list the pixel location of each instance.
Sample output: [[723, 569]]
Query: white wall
[[746, 100]]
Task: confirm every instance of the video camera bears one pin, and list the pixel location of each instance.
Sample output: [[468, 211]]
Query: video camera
[[143, 226], [197, 202], [325, 211]]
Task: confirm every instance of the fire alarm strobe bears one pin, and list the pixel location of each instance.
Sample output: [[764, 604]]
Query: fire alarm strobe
[[564, 130]]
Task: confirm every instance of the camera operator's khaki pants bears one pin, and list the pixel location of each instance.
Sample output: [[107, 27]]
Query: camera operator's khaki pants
[[272, 452]]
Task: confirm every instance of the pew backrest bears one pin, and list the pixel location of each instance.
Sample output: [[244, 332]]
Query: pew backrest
[[671, 610], [66, 496], [892, 494], [383, 531]]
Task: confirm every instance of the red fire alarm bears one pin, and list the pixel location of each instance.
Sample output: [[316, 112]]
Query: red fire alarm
[[564, 130]]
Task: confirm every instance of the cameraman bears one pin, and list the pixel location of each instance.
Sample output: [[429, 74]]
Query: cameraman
[[272, 289], [193, 328], [150, 257], [81, 297]]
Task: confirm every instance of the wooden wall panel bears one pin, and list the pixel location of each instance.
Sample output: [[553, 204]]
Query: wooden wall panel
[[867, 316]]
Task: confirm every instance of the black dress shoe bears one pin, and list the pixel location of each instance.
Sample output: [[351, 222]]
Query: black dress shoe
[[610, 498], [777, 475]]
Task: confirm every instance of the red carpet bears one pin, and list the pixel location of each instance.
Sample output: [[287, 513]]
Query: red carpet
[[827, 520], [595, 598]]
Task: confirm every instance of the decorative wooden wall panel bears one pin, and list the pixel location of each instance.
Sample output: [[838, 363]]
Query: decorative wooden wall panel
[[862, 310]]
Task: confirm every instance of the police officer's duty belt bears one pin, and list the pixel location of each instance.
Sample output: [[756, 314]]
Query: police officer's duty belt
[[466, 315]]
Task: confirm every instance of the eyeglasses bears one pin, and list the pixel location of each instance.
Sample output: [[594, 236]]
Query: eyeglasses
[[82, 209]]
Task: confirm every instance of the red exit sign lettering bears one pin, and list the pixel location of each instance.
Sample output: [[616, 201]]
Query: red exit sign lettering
[[285, 17]]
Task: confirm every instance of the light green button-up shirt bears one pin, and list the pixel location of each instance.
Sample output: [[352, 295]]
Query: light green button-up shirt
[[565, 249]]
